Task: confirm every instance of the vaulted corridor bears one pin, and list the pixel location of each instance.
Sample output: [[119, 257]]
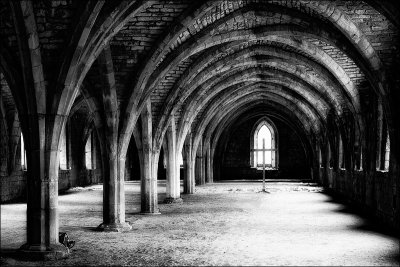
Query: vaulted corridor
[[228, 223], [132, 94]]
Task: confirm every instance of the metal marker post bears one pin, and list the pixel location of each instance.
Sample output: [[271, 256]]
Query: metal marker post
[[263, 152]]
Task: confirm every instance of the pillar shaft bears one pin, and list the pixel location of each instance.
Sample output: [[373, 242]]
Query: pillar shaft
[[42, 130], [203, 169], [173, 183], [42, 187], [113, 162], [200, 165], [42, 202], [149, 198], [188, 181], [114, 195], [209, 177]]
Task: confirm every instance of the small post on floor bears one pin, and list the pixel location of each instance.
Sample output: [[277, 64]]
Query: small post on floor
[[263, 152], [263, 165]]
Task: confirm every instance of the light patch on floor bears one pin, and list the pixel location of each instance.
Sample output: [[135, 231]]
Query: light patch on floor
[[230, 223]]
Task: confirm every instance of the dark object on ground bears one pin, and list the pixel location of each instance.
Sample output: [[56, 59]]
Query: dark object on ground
[[63, 238]]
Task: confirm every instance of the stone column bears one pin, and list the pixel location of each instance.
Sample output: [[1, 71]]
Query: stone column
[[42, 189], [113, 163], [209, 177], [173, 183], [114, 196], [149, 198], [203, 166], [188, 181], [212, 165], [199, 165], [315, 169], [41, 130], [178, 172], [325, 178]]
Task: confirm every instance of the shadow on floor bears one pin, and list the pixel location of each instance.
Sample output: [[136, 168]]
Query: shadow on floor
[[9, 253], [266, 180], [395, 257], [85, 228], [369, 222], [15, 254]]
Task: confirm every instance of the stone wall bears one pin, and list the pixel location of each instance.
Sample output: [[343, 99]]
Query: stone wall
[[13, 183], [292, 158], [372, 192], [13, 187], [12, 175]]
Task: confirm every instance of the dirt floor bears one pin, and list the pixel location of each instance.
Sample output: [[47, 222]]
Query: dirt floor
[[230, 223]]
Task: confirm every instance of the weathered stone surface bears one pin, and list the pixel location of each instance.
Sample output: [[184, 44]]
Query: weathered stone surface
[[145, 81], [53, 252]]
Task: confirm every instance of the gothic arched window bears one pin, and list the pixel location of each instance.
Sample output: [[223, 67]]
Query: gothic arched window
[[89, 152], [64, 142], [264, 145], [383, 144], [23, 153]]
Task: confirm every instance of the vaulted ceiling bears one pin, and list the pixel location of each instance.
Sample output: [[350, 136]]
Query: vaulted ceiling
[[207, 62]]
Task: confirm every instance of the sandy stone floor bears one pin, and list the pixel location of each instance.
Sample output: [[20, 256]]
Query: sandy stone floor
[[229, 223]]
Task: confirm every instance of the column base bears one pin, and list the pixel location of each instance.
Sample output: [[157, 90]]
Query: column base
[[40, 252], [150, 213], [170, 200], [114, 227]]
